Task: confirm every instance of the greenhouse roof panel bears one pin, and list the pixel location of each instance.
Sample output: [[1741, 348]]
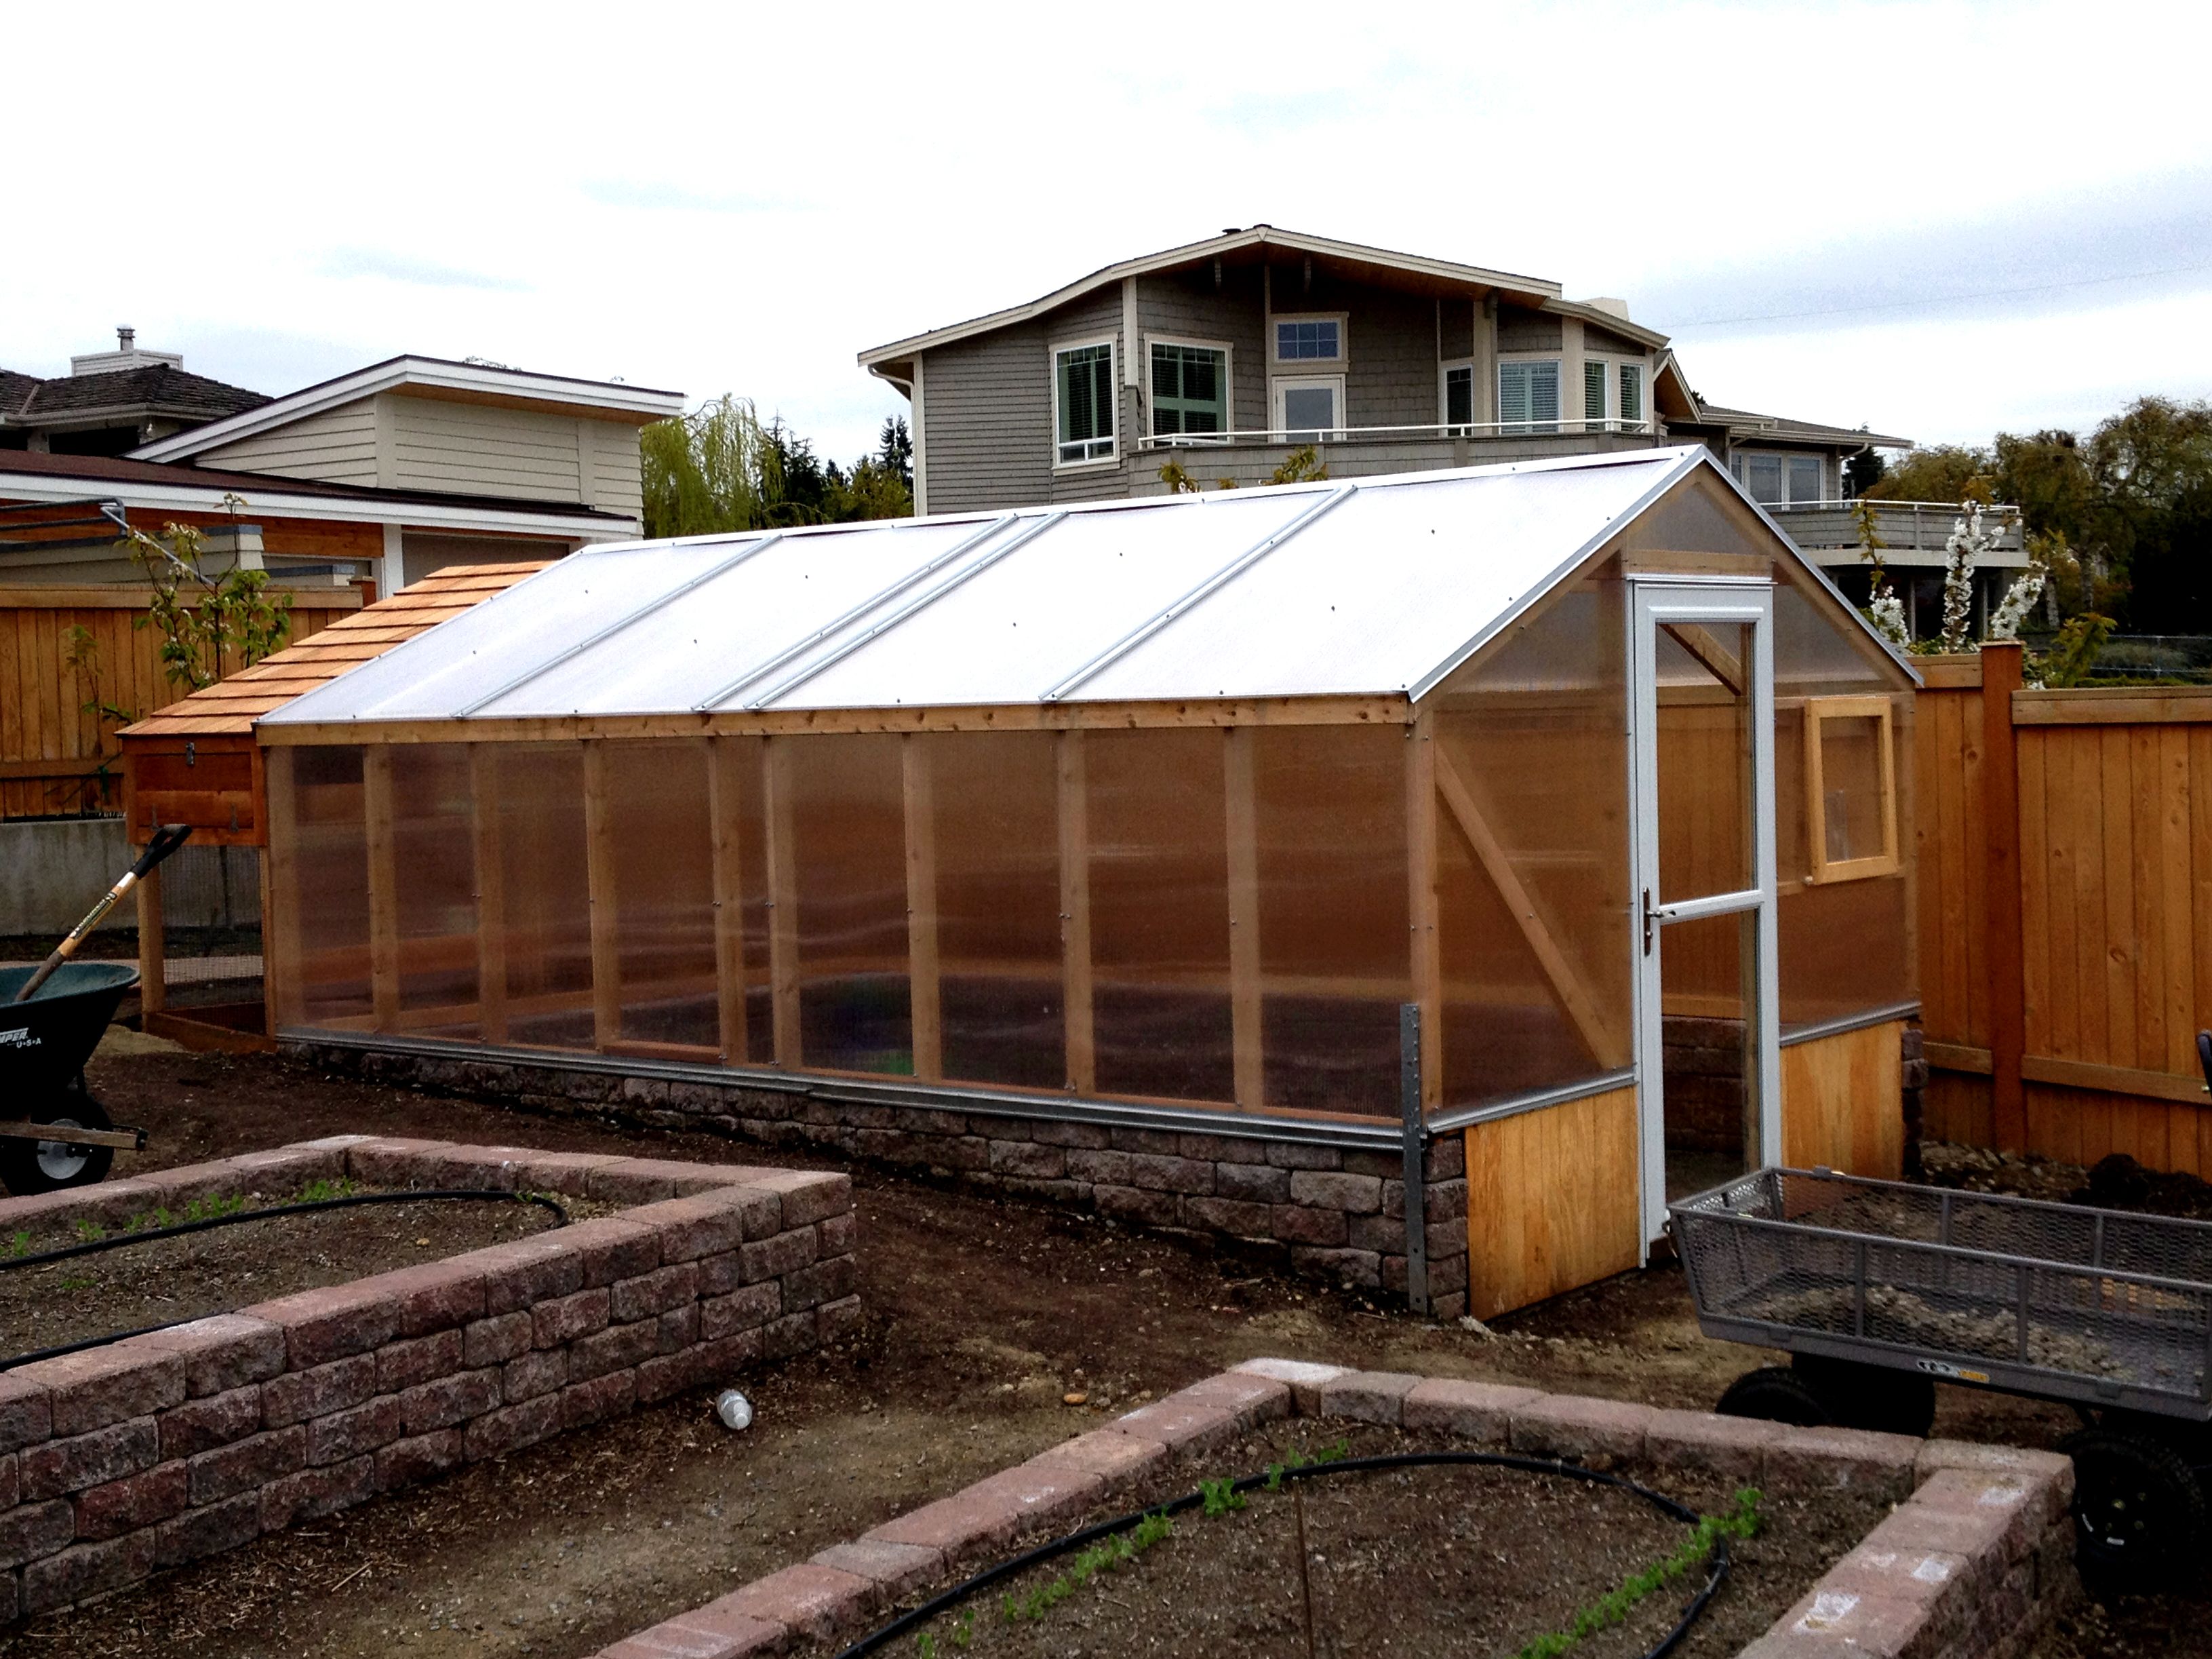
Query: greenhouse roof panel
[[1375, 587]]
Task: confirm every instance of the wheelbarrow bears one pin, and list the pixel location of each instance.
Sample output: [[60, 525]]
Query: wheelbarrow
[[51, 1017]]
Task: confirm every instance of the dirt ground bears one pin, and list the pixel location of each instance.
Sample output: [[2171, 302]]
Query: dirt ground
[[981, 1314], [1439, 1560]]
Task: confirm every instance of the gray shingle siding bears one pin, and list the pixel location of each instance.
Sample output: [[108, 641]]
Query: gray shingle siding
[[1520, 330], [987, 417], [1187, 305], [1390, 369], [1602, 339], [1458, 317]]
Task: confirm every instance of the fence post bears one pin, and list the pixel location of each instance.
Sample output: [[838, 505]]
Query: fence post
[[2000, 677]]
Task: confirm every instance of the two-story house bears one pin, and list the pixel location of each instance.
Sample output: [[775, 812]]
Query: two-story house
[[1227, 356]]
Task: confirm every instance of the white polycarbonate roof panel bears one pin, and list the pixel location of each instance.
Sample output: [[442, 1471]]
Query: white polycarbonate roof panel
[[1384, 589], [1391, 585], [735, 625], [1018, 629]]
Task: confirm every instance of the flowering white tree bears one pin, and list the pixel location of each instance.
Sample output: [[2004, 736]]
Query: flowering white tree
[[2019, 598], [1970, 543]]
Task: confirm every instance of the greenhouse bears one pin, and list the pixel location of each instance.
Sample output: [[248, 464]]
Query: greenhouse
[[1551, 811]]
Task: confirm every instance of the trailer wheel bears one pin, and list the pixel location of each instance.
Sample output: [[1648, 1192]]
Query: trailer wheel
[[44, 1166], [1779, 1395], [1877, 1397], [2138, 1507]]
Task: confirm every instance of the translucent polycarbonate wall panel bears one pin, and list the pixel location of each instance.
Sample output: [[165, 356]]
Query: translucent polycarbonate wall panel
[[328, 898], [1333, 955], [1846, 943], [743, 801], [1158, 879], [435, 899], [1699, 518], [996, 904], [545, 893], [1533, 852], [848, 825], [660, 855], [1710, 1100], [1704, 762]]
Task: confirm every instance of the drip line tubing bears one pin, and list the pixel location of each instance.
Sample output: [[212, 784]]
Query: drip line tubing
[[93, 1247], [1674, 1511]]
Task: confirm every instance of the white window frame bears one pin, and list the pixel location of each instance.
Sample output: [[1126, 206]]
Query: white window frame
[[1534, 428], [1283, 383], [1603, 420], [1113, 438], [1305, 366], [1640, 421], [1228, 389], [1445, 369], [1740, 464]]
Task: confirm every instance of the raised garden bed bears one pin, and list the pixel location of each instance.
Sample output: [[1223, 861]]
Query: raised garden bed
[[1975, 1557], [147, 1452]]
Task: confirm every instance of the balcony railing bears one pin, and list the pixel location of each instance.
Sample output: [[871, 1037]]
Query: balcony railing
[[1910, 532], [1445, 429]]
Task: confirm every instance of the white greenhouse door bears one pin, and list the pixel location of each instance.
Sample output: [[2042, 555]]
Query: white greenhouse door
[[1703, 662]]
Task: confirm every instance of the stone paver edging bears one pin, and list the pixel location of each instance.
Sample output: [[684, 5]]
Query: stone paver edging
[[120, 1460], [1972, 1563]]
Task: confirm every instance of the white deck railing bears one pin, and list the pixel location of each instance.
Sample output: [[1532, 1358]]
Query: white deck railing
[[1445, 429]]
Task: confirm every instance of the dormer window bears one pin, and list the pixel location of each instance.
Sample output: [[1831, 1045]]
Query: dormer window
[[1083, 402], [1309, 339]]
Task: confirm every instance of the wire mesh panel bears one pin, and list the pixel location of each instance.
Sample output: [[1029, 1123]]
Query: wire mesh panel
[[2050, 1299]]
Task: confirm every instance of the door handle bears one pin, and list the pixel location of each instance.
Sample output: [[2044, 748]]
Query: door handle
[[1651, 920]]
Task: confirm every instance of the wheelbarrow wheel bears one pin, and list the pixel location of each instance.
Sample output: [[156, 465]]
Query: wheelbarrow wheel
[[1778, 1395], [1877, 1397], [44, 1166], [2138, 1507]]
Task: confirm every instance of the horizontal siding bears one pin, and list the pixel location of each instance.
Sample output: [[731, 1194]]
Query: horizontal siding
[[987, 422], [336, 446], [617, 484], [483, 451]]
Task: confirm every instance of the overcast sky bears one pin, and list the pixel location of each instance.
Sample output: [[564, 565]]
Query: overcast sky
[[1935, 220]]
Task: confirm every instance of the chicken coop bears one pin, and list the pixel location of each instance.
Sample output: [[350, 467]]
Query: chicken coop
[[1540, 823]]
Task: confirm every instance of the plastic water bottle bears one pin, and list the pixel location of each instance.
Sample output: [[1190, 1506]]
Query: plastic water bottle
[[734, 1409]]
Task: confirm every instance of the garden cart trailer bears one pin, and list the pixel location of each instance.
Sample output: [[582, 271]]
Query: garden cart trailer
[[1879, 1288], [52, 1133]]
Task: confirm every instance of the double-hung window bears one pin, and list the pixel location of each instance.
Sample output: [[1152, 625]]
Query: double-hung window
[[1631, 377], [1594, 406], [1529, 395], [1459, 400], [1190, 388], [1083, 402]]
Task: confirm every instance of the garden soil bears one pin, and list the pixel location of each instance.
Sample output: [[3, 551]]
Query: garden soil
[[981, 1315]]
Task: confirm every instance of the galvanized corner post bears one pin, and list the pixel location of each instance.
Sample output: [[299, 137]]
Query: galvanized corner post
[[1416, 1138]]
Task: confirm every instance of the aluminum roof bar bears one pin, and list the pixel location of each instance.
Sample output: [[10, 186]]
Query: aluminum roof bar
[[1018, 539], [617, 627], [1220, 579], [792, 653]]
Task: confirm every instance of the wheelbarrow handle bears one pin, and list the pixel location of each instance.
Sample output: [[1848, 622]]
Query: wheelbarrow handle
[[166, 840]]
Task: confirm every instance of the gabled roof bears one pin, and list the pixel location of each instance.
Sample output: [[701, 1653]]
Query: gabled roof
[[1331, 590], [428, 377], [1742, 424], [231, 706], [1530, 290], [158, 389]]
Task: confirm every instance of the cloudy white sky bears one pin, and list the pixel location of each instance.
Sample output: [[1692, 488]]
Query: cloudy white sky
[[1937, 220]]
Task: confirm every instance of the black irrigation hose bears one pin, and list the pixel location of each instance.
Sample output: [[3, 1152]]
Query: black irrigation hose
[[1059, 1546], [94, 1246]]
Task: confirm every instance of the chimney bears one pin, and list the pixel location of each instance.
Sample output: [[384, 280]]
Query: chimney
[[125, 338], [127, 355]]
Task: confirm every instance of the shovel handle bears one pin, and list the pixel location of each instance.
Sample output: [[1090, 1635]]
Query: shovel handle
[[166, 840]]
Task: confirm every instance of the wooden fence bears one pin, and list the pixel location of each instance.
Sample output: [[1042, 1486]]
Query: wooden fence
[[57, 757], [2065, 843]]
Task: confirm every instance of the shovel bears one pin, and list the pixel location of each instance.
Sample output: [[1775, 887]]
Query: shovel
[[166, 840]]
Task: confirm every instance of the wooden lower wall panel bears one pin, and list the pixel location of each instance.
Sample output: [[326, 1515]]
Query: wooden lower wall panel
[[1843, 1104], [1955, 1107], [2075, 1126], [1551, 1200]]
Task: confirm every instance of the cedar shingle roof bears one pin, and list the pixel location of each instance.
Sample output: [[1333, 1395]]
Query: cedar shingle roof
[[158, 389], [232, 706]]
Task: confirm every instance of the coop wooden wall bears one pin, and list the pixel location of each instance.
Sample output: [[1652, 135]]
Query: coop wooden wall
[[52, 749], [1827, 1085], [2109, 825]]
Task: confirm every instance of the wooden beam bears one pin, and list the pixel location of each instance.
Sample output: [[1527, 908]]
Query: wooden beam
[[599, 864], [1244, 988], [1382, 710], [2115, 1079], [923, 977], [2114, 705], [153, 982], [2008, 999], [1715, 658], [1426, 969], [490, 891], [783, 906], [1075, 913], [1490, 853], [280, 985], [725, 808], [383, 886]]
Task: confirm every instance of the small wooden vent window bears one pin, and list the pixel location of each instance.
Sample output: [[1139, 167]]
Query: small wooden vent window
[[1851, 789]]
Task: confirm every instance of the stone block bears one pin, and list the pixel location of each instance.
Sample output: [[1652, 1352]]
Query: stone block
[[313, 1492], [139, 1500], [84, 1570], [808, 1196], [2049, 1475], [200, 1533], [1304, 1379], [346, 1434], [1252, 1183], [1579, 1429], [1027, 1157], [1115, 1457], [619, 1347], [96, 1387], [220, 1352], [1136, 1205], [218, 1419], [533, 1374], [418, 1458], [449, 1400], [1728, 1448], [1330, 1189], [655, 1292], [773, 1257], [1296, 1223], [26, 1411], [583, 1403], [332, 1324], [512, 1427], [840, 1319], [565, 1318], [434, 1296], [298, 1396], [741, 1310], [527, 1271], [824, 1281], [1154, 1172], [417, 1359], [55, 1467], [1803, 1461], [793, 1333], [248, 1464], [805, 1599], [1355, 1270], [1480, 1411], [1238, 1219], [487, 1341], [1368, 1396], [30, 1530], [893, 1568], [705, 1224], [613, 1247]]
